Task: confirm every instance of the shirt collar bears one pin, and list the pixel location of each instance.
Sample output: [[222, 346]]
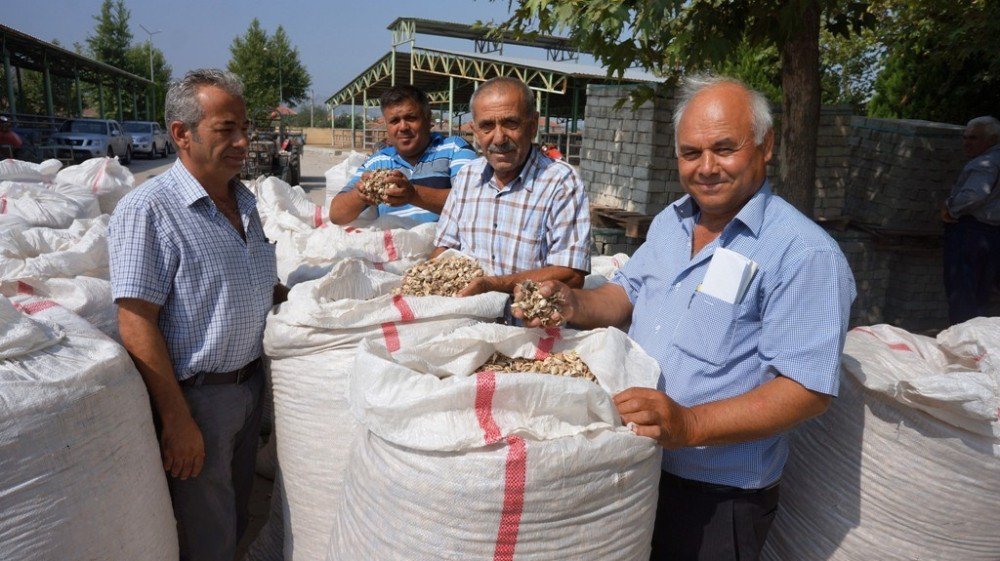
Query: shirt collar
[[191, 191], [522, 178], [751, 215]]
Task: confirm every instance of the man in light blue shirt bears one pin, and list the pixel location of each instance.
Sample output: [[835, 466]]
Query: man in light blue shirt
[[194, 278], [735, 375], [424, 162]]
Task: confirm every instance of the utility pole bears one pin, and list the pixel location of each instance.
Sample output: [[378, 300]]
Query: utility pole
[[151, 115], [312, 107]]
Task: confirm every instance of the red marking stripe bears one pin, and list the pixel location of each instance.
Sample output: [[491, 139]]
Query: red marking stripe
[[34, 307], [100, 175], [25, 288], [893, 346], [546, 343], [391, 336], [514, 473], [3, 204], [405, 313], [513, 500], [318, 218], [379, 266], [390, 247]]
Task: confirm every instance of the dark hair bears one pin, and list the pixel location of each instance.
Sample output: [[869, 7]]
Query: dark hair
[[398, 94]]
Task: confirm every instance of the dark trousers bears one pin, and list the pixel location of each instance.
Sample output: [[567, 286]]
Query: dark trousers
[[702, 522], [971, 266], [212, 509]]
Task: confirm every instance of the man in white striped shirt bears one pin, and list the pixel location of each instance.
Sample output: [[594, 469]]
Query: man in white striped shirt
[[519, 213]]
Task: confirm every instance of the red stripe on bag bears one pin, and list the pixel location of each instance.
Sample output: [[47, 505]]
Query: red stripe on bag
[[391, 336], [318, 218], [351, 229], [35, 307], [390, 248], [3, 204], [893, 346], [100, 174], [405, 313], [513, 499], [486, 384], [379, 266], [514, 472], [25, 288], [546, 343]]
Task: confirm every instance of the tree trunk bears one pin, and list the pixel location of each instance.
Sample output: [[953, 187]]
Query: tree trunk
[[800, 84]]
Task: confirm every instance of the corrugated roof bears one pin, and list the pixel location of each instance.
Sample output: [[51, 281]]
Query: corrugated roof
[[567, 68]]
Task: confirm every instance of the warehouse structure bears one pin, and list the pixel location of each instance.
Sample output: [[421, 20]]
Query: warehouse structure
[[449, 77]]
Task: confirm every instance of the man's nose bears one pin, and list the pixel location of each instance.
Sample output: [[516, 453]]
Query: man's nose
[[708, 164]]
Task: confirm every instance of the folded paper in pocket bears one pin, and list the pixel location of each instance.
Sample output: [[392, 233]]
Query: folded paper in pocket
[[728, 276]]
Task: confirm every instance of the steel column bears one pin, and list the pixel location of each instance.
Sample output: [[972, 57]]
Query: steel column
[[79, 93], [50, 107], [135, 106], [118, 95], [11, 101], [451, 101], [100, 97], [353, 110]]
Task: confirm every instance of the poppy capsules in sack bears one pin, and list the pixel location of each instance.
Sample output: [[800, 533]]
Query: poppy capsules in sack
[[462, 465]]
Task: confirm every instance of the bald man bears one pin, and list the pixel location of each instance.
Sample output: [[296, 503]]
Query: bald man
[[740, 364]]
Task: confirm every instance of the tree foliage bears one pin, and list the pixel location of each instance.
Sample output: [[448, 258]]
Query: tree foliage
[[112, 37], [671, 38], [269, 67], [942, 62]]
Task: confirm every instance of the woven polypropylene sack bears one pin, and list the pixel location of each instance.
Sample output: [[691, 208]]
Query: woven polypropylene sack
[[38, 205], [80, 469], [527, 466], [311, 340], [903, 465], [105, 177]]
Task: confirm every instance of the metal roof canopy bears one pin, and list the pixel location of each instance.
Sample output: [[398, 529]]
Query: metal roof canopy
[[21, 50], [404, 29]]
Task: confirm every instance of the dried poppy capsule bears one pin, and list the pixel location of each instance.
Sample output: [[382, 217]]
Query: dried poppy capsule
[[535, 306], [566, 363], [439, 277]]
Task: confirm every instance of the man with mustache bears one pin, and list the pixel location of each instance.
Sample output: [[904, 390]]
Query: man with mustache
[[743, 357], [425, 162], [194, 278], [515, 210]]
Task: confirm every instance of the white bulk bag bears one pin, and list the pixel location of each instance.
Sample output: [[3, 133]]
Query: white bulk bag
[[80, 469], [9, 222], [42, 253], [274, 195], [460, 465], [18, 170], [87, 297], [904, 464], [38, 205], [105, 177], [602, 268], [85, 199], [311, 340], [338, 176], [309, 255]]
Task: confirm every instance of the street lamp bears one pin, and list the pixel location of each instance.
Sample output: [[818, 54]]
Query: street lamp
[[152, 95]]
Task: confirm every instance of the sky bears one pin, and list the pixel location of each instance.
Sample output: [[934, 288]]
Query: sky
[[337, 39]]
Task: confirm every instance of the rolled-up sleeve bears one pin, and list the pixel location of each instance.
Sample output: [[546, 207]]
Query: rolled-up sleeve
[[142, 262]]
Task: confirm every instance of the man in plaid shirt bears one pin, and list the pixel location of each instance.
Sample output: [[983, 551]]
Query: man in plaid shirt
[[519, 213]]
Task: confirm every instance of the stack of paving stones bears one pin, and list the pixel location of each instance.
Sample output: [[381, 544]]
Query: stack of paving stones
[[889, 176]]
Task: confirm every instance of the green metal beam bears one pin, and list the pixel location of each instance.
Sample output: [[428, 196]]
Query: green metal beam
[[100, 99], [11, 102], [47, 76], [118, 94], [447, 64], [375, 73], [79, 95]]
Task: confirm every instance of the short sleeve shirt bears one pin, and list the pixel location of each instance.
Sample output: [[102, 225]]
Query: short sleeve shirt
[[169, 245], [791, 321]]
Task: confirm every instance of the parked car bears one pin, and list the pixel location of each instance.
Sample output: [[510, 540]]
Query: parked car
[[148, 138], [81, 139]]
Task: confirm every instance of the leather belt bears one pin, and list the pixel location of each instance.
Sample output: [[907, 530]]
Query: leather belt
[[237, 376], [676, 482]]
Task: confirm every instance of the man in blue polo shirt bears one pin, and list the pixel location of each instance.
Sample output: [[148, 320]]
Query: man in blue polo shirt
[[741, 362], [425, 162]]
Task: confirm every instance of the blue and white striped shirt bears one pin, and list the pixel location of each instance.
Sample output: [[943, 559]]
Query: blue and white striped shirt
[[170, 245], [541, 218], [438, 164], [791, 321]]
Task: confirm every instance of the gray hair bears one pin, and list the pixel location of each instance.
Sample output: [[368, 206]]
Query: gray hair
[[182, 97], [990, 126], [761, 120], [502, 82]]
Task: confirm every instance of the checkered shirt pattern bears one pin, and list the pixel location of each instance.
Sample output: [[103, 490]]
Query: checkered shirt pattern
[[170, 245], [437, 166], [541, 218], [791, 321]]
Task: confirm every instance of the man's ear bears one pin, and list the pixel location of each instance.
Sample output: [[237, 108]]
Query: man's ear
[[768, 145], [181, 134]]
